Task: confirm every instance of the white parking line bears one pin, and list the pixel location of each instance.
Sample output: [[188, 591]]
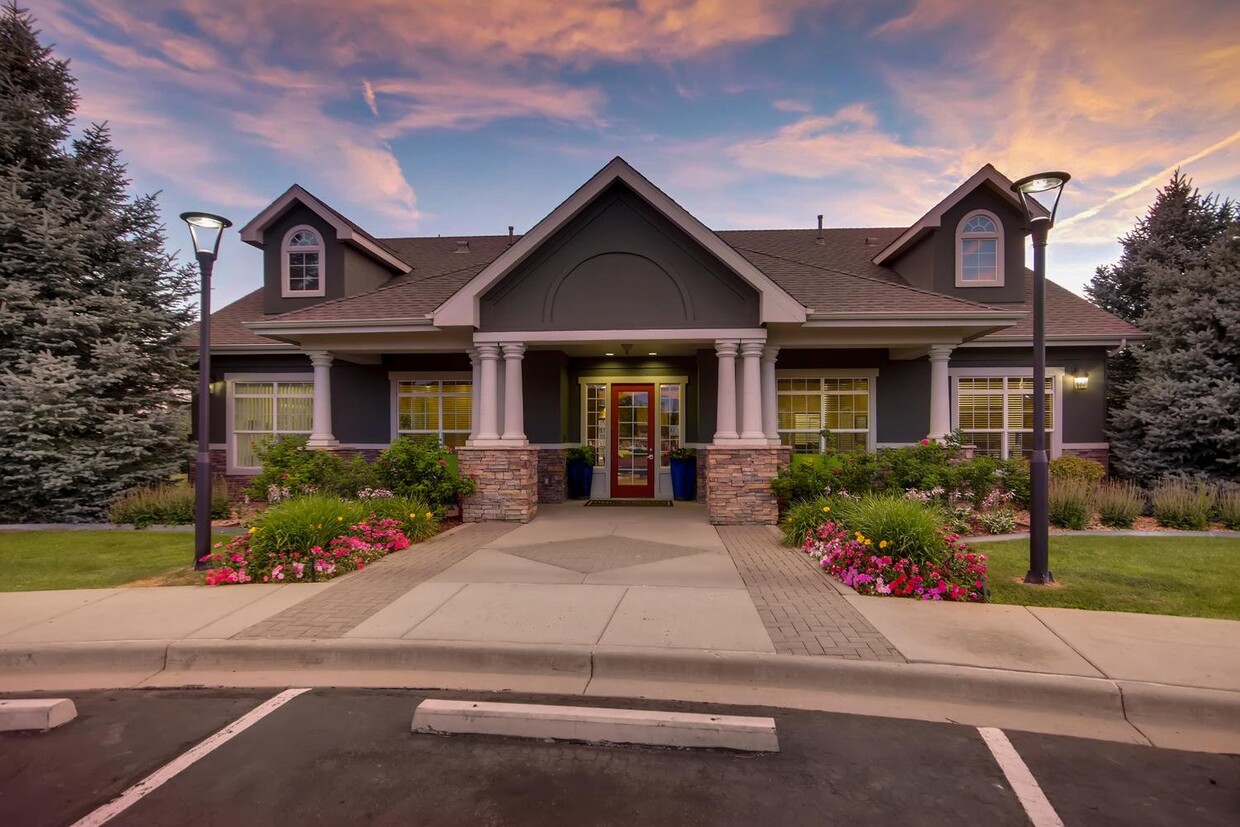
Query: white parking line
[[162, 775], [1036, 805]]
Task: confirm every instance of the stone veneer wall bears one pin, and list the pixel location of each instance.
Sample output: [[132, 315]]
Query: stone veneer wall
[[738, 484], [1102, 455], [552, 477], [507, 480], [700, 470]]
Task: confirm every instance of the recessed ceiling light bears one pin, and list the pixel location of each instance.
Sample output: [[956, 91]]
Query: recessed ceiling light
[[652, 353], [609, 354]]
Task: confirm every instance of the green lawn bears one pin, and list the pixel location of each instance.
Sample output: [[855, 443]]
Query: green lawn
[[35, 560], [1189, 576]]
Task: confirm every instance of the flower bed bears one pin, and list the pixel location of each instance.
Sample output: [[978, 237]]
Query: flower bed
[[365, 542], [958, 574]]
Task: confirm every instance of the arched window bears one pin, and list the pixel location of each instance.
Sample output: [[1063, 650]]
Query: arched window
[[303, 262], [979, 251]]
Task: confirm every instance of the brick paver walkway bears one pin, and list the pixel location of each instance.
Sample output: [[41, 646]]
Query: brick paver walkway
[[802, 612], [346, 604]]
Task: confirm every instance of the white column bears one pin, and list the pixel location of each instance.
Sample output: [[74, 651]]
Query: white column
[[514, 412], [488, 405], [740, 391], [940, 392], [475, 364], [751, 399], [725, 408], [321, 435], [770, 395]]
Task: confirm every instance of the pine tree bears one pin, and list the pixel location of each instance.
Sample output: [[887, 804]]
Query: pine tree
[[1188, 411], [1177, 230], [91, 384], [1174, 235]]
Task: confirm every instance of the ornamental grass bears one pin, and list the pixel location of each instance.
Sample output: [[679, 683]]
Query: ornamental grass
[[168, 503], [1068, 504], [1119, 504], [1183, 505]]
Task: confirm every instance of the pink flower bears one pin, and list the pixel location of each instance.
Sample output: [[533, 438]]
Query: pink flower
[[925, 442]]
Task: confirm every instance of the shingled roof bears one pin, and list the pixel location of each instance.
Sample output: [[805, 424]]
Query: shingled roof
[[836, 274]]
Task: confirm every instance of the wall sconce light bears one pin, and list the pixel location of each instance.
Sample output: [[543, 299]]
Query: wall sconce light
[[1080, 380]]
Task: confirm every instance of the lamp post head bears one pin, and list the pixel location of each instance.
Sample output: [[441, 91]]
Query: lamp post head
[[206, 230], [1040, 182]]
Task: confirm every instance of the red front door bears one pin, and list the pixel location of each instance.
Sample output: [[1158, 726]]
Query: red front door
[[632, 441]]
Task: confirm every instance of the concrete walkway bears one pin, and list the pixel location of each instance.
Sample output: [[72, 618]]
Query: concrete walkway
[[644, 602]]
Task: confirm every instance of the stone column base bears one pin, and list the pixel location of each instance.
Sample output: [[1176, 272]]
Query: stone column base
[[552, 479], [1102, 455], [507, 484], [738, 484]]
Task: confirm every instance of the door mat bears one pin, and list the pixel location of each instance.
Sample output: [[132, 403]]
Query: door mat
[[631, 503]]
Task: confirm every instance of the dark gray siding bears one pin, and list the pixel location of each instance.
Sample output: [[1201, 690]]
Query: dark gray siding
[[545, 394], [620, 265], [333, 265], [362, 273], [931, 263], [221, 365]]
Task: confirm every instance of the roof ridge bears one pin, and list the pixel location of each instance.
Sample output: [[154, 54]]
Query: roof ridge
[[395, 283], [874, 280]]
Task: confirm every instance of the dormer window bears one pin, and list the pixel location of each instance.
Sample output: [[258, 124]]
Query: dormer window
[[979, 251], [303, 263]]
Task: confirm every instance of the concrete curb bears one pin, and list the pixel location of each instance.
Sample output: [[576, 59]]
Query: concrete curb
[[35, 714], [1170, 532], [1183, 717]]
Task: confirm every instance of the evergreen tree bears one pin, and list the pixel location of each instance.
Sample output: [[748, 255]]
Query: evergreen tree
[[90, 305], [1174, 235], [1177, 230], [1188, 411]]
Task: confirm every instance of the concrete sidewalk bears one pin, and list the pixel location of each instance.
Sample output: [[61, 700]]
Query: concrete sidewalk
[[635, 604]]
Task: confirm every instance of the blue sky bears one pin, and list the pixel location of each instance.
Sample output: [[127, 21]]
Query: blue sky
[[461, 117]]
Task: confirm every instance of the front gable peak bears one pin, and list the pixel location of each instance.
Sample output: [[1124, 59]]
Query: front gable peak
[[464, 307]]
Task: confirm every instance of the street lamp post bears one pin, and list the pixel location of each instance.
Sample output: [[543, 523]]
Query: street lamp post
[[206, 230], [1040, 223]]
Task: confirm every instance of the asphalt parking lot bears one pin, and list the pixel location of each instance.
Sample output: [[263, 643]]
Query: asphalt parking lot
[[347, 757]]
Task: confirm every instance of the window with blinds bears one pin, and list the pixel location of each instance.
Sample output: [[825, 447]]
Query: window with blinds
[[265, 410], [839, 405], [995, 413], [435, 408]]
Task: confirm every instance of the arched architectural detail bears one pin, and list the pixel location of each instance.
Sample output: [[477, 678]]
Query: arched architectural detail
[[618, 281], [979, 250]]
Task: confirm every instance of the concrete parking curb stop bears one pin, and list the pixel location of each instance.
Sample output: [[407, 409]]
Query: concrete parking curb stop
[[596, 725], [1135, 712], [35, 714]]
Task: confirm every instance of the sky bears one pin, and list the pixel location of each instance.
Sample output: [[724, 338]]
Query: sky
[[462, 117]]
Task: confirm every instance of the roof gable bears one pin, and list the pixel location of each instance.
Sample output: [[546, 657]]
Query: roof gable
[[462, 309], [346, 230], [986, 176]]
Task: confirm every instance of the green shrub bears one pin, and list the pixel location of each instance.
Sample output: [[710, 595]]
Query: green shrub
[[1227, 506], [1014, 477], [917, 466], [291, 469], [978, 476], [999, 521], [1079, 469], [581, 453], [1068, 505], [1119, 504], [912, 529], [423, 470], [1183, 505], [169, 503], [347, 478], [803, 517], [805, 479]]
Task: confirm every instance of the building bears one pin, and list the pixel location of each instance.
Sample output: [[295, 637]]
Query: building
[[621, 321]]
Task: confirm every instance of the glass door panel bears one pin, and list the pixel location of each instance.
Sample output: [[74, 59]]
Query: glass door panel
[[632, 466]]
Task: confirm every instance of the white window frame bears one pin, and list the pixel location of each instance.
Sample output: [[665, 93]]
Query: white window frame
[[230, 382], [396, 377], [1054, 374], [871, 438], [997, 281], [286, 289]]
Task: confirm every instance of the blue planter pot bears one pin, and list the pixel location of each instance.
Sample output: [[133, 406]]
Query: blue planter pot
[[684, 479], [580, 480]]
